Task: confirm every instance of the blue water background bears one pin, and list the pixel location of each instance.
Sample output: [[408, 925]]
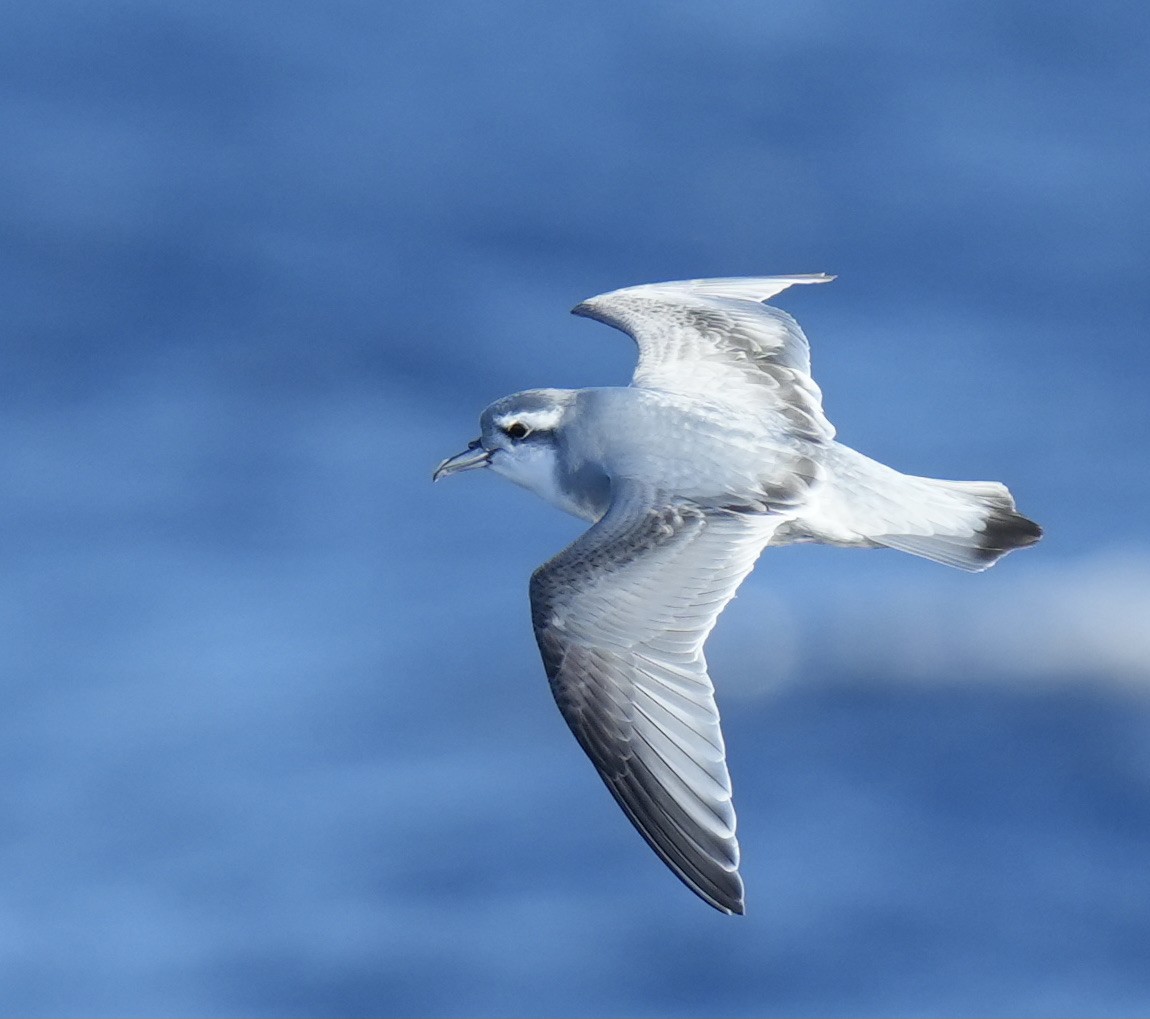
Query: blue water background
[[275, 738]]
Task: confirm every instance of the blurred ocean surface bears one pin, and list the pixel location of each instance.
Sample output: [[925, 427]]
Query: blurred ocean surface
[[276, 739]]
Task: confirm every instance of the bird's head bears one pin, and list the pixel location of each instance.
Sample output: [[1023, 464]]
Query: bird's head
[[518, 438]]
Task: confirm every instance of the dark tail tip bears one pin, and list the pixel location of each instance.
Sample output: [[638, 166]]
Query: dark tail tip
[[1005, 531]]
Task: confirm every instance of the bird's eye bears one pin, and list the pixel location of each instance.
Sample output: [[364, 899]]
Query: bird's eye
[[517, 430]]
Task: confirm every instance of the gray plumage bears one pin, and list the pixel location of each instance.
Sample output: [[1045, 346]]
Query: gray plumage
[[717, 449]]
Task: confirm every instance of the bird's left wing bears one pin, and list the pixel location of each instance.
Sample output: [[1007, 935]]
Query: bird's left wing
[[621, 616], [714, 339]]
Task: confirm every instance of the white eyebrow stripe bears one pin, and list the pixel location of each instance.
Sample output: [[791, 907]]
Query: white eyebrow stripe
[[544, 419]]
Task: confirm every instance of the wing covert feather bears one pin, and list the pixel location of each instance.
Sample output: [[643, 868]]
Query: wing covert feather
[[715, 339]]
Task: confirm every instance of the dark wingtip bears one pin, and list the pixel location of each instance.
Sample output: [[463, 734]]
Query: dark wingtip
[[728, 905], [728, 900], [587, 309]]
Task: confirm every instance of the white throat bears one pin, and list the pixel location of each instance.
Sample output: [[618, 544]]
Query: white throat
[[535, 467]]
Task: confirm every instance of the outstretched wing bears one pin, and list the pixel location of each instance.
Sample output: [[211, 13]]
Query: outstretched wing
[[715, 339], [621, 616]]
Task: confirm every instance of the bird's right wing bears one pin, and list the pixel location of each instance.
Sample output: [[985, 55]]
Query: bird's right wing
[[621, 616], [715, 339]]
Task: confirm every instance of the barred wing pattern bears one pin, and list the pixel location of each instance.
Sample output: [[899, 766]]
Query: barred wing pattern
[[621, 617], [706, 337]]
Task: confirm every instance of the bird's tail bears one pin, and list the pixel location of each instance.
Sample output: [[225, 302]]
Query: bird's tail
[[982, 527], [966, 524]]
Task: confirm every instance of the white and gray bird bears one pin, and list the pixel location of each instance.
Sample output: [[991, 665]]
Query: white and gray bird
[[717, 449]]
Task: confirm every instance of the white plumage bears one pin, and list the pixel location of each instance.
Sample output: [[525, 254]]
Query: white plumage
[[717, 449]]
